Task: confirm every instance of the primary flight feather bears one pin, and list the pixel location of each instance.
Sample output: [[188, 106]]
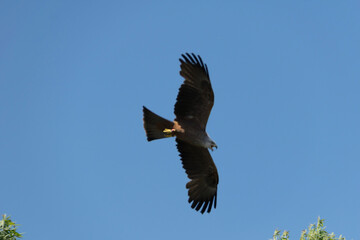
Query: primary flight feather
[[192, 110]]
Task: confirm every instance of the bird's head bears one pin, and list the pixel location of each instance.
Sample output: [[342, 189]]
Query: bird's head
[[213, 145]]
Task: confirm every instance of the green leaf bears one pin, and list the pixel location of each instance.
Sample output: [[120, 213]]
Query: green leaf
[[314, 232], [8, 229]]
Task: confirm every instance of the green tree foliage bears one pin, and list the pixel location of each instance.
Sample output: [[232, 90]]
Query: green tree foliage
[[8, 229], [314, 232]]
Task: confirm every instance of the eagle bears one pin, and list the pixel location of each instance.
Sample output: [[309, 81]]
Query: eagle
[[192, 109]]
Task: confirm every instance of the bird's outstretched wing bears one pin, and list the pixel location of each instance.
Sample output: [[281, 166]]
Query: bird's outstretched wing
[[203, 175], [196, 97]]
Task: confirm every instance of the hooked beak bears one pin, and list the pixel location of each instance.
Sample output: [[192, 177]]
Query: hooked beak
[[213, 147]]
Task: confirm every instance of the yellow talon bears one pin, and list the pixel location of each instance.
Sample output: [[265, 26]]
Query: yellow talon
[[169, 132]]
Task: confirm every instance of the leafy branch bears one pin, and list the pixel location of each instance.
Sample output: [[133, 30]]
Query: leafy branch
[[314, 232], [8, 229]]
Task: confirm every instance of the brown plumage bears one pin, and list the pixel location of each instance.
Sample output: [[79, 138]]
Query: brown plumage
[[192, 110]]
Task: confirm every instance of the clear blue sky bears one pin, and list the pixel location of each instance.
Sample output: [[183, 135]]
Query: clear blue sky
[[74, 75]]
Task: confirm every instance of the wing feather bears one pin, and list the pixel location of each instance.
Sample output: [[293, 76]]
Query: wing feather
[[201, 170], [196, 97]]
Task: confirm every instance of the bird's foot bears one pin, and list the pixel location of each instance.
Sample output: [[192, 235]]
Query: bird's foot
[[169, 132]]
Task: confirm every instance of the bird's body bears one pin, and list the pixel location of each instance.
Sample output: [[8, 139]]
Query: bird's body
[[188, 130], [192, 110]]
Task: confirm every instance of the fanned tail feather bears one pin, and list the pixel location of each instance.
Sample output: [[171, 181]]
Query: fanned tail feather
[[155, 125]]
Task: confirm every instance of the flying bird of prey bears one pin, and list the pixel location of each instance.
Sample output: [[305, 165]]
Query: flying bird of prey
[[192, 109]]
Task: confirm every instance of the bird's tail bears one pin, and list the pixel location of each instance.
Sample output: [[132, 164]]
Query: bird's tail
[[155, 126]]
